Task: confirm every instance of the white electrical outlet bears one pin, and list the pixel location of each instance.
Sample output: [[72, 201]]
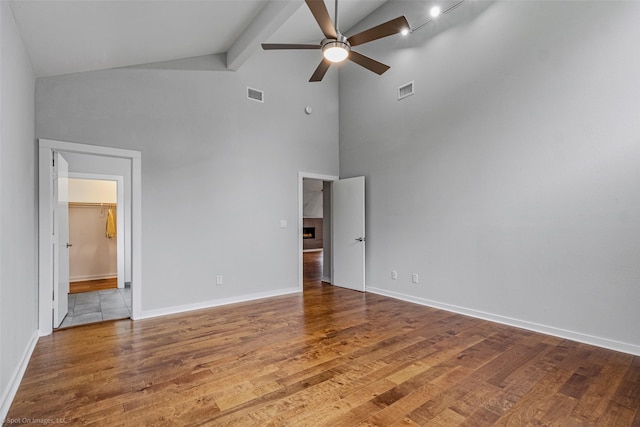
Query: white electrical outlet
[[414, 278], [394, 275], [219, 280]]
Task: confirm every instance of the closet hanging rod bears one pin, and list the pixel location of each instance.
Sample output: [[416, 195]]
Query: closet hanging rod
[[92, 205]]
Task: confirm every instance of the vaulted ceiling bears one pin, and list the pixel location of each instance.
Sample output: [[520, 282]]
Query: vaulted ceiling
[[69, 36]]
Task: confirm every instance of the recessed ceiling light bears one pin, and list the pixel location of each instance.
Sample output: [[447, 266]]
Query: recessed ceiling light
[[435, 11], [404, 31]]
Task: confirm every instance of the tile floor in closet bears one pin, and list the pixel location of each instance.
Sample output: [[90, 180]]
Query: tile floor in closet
[[91, 307]]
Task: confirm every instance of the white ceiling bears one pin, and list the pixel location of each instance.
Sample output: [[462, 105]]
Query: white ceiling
[[69, 36]]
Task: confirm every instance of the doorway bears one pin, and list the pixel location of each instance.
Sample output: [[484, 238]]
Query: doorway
[[97, 287], [97, 158], [343, 260], [314, 237], [316, 230]]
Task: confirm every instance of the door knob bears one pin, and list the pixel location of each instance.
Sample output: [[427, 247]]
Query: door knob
[[360, 239], [69, 245]]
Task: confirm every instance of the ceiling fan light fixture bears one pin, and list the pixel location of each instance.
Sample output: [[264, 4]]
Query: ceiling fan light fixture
[[335, 50]]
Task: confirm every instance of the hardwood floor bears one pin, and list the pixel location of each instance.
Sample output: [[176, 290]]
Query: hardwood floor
[[312, 268], [331, 357], [93, 285]]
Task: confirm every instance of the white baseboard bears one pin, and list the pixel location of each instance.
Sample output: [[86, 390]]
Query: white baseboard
[[147, 314], [93, 277], [535, 327], [326, 279], [16, 378]]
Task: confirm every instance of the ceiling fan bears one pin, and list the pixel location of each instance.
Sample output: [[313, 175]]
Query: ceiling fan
[[336, 47]]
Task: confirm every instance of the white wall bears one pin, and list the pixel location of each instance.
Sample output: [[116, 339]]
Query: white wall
[[204, 145], [92, 191], [509, 181], [18, 254]]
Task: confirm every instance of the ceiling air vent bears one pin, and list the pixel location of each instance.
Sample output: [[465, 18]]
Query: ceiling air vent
[[405, 90], [255, 94]]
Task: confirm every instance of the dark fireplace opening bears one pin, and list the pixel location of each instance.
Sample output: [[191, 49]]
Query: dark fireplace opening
[[308, 232]]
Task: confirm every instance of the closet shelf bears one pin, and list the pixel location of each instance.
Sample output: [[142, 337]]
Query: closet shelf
[[92, 205]]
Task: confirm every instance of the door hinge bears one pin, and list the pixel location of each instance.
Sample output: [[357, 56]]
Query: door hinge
[[53, 304], [53, 162]]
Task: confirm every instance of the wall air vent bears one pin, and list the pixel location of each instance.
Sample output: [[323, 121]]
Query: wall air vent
[[255, 94], [405, 90]]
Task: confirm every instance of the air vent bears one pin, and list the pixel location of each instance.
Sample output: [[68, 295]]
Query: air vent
[[405, 90], [255, 94]]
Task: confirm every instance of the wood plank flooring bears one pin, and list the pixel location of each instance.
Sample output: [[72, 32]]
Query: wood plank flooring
[[93, 285], [330, 357]]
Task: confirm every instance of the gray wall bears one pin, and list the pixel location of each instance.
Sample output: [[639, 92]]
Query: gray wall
[[509, 181], [204, 145], [18, 254]]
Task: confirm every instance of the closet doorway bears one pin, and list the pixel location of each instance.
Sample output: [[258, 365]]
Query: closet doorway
[[97, 287], [90, 159]]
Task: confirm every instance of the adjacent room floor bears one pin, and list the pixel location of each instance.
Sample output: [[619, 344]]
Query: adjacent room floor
[[96, 306]]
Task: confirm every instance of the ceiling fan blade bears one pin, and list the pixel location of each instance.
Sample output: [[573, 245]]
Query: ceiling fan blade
[[389, 28], [320, 12], [368, 63], [275, 46], [320, 71]]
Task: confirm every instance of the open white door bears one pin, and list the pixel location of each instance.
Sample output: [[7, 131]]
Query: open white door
[[348, 233], [61, 240]]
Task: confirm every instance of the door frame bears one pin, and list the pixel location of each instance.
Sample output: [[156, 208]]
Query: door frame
[[46, 148], [301, 176], [60, 177], [120, 216]]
